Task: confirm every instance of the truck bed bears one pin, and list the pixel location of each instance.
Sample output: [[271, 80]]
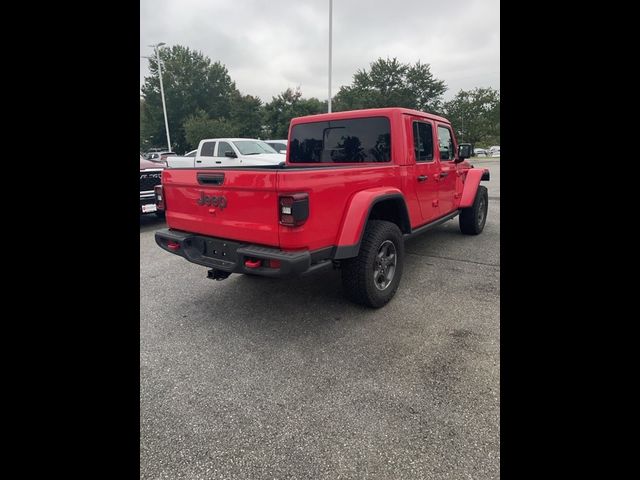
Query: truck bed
[[251, 201]]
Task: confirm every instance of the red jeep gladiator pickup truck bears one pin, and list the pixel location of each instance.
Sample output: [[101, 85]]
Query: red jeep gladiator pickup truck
[[354, 186]]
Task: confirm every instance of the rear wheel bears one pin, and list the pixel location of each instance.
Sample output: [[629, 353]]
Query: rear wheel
[[473, 218], [372, 277]]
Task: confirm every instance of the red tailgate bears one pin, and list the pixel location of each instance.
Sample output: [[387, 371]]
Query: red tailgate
[[234, 204]]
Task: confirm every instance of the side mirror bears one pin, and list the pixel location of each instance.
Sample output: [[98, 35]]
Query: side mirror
[[230, 154], [284, 152], [464, 151]]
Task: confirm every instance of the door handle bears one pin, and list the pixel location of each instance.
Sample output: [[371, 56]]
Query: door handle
[[218, 161], [443, 174], [422, 178], [198, 161]]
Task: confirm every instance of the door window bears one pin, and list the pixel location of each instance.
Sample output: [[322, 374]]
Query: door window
[[446, 146], [207, 149], [223, 148], [423, 142]]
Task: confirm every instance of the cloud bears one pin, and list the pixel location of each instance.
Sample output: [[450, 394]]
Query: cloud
[[270, 46]]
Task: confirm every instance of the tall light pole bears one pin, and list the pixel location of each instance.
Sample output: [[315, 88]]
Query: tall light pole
[[330, 32], [156, 47]]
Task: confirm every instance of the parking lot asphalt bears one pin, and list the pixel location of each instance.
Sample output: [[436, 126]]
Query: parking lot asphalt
[[260, 378]]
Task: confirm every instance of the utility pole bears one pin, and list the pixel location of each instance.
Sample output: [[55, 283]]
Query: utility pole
[[164, 106]]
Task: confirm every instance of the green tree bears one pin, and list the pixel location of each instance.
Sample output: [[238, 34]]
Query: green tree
[[390, 83], [199, 126], [144, 139], [289, 104], [475, 115], [246, 115], [191, 82]]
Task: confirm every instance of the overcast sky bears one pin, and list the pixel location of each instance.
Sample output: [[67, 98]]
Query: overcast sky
[[269, 45]]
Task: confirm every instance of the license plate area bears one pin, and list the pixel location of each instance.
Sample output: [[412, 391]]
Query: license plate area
[[221, 250]]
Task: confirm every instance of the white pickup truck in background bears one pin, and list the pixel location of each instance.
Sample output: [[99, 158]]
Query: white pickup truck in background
[[229, 152]]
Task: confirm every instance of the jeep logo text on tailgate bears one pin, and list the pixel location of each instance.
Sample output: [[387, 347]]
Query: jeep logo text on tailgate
[[213, 201]]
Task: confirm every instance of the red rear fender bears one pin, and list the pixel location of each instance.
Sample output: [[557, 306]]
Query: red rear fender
[[357, 214]]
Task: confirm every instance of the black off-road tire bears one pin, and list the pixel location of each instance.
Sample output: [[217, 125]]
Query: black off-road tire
[[473, 218], [358, 273]]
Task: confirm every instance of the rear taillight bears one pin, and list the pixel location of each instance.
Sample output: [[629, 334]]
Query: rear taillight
[[159, 193], [294, 209]]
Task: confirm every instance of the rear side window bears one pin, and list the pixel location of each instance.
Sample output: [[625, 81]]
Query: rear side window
[[207, 149], [423, 141], [341, 141], [445, 140]]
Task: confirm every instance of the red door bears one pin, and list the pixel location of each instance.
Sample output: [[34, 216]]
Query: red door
[[447, 151], [426, 169]]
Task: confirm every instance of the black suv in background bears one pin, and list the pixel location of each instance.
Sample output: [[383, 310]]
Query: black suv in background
[[150, 176]]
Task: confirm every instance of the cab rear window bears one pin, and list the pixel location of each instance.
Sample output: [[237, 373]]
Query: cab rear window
[[356, 140]]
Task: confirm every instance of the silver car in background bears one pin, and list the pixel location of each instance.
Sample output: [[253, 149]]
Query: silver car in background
[[279, 146], [479, 152]]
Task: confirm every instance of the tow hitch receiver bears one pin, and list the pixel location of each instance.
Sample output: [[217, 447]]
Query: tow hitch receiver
[[217, 274]]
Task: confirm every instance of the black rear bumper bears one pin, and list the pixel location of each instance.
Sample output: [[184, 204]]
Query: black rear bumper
[[229, 256]]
